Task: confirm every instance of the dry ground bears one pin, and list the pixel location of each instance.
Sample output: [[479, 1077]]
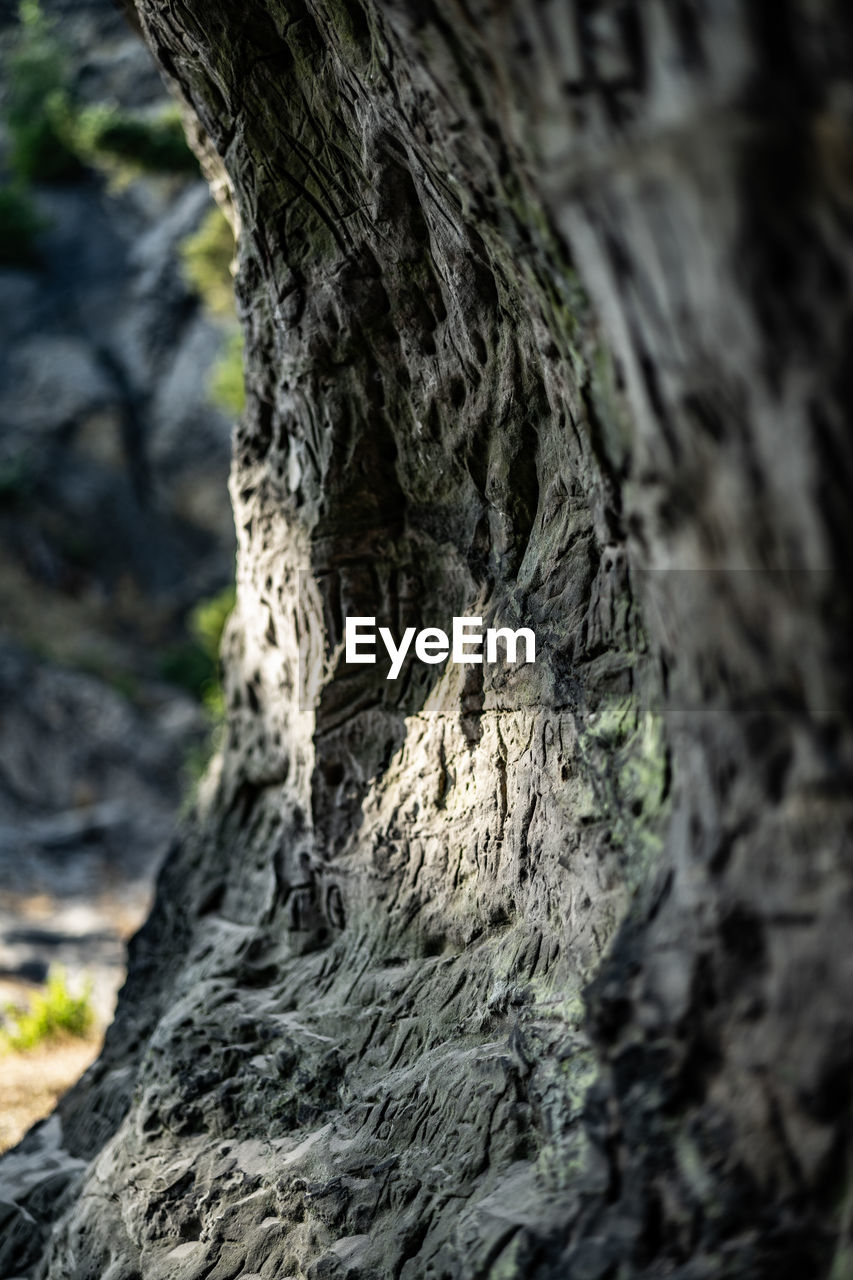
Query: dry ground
[[31, 1083]]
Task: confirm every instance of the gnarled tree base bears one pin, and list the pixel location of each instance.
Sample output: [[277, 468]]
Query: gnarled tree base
[[547, 314]]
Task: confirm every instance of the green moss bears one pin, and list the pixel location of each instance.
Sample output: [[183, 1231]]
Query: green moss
[[53, 1013], [643, 775], [614, 723], [561, 1164], [625, 755], [578, 1073], [513, 1262], [562, 1158]]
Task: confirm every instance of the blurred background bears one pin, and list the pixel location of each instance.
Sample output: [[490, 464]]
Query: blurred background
[[120, 378]]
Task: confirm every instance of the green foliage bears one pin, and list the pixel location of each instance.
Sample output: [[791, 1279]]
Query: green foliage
[[208, 619], [53, 1014], [194, 665], [53, 138], [187, 666], [207, 257], [207, 624], [227, 383], [126, 144], [20, 224], [37, 105]]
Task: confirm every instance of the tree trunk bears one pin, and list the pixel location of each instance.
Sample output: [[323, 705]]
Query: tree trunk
[[495, 971]]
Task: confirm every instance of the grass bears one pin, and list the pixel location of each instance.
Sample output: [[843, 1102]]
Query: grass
[[55, 1013]]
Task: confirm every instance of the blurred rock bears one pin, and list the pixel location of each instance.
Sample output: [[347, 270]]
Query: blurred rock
[[114, 521], [89, 787]]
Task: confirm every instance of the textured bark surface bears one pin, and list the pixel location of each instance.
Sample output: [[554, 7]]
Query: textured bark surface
[[542, 973]]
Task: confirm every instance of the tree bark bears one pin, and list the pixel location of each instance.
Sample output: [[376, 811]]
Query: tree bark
[[530, 972]]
